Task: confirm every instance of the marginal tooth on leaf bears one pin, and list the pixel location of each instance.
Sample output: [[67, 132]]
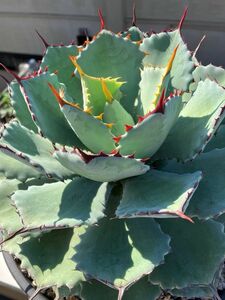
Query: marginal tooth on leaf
[[128, 37], [145, 159], [117, 138], [131, 156], [109, 125], [62, 92], [101, 153], [183, 216], [157, 94], [140, 119], [56, 72], [88, 110], [99, 117], [106, 91], [59, 98], [80, 49], [72, 75], [115, 152], [87, 42], [74, 61], [138, 42], [128, 127]]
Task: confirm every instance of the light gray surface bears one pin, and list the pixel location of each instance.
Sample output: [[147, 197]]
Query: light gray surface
[[59, 21]]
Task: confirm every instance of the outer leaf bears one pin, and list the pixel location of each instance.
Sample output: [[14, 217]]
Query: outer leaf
[[157, 194], [46, 110], [132, 249], [192, 246], [145, 138], [196, 124], [61, 204], [10, 222], [209, 199], [9, 219], [56, 59], [217, 141], [102, 168], [160, 48], [141, 290], [111, 55], [36, 255], [15, 169], [92, 132], [20, 107], [115, 114], [211, 72], [36, 149]]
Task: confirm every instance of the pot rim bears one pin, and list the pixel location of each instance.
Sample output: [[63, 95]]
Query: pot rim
[[22, 281]]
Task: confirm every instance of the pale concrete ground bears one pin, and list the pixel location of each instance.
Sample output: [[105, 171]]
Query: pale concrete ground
[[5, 275]]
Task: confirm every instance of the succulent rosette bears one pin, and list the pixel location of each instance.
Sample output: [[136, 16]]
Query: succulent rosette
[[109, 188]]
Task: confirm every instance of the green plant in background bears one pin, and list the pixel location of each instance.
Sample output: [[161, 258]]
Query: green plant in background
[[6, 110], [103, 193]]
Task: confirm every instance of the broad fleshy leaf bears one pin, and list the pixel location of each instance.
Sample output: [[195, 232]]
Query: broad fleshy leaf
[[209, 198], [9, 219], [110, 55], [211, 72], [33, 148], [36, 255], [157, 194], [104, 169], [146, 137], [130, 250], [61, 204], [151, 79], [192, 246], [196, 124], [98, 90], [15, 169], [115, 114], [92, 132], [160, 47], [20, 106], [56, 60], [49, 118]]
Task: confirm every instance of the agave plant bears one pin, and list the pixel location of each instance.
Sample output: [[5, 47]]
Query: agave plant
[[112, 182]]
